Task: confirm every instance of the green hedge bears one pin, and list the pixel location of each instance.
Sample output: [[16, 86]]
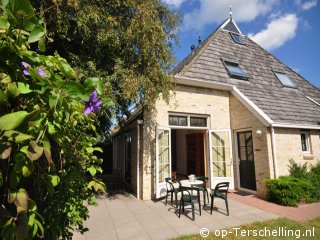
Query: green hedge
[[289, 191], [302, 185]]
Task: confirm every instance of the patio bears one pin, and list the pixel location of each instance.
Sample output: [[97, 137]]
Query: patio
[[121, 216]]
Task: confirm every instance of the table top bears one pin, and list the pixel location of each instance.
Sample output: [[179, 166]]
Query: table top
[[188, 182]]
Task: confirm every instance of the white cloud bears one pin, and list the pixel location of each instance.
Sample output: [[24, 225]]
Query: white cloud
[[277, 32], [211, 11], [306, 5], [309, 4], [174, 3]]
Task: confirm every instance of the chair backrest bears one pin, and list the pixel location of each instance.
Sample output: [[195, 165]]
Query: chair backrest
[[169, 184], [204, 179], [222, 188]]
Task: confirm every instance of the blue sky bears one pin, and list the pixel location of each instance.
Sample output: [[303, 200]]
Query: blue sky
[[289, 29]]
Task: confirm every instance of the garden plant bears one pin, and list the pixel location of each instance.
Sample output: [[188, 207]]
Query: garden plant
[[47, 133]]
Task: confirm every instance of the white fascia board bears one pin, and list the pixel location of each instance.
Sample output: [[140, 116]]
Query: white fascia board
[[226, 22], [256, 111], [290, 125], [202, 83]]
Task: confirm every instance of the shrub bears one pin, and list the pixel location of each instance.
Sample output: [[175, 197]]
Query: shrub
[[297, 170], [289, 191]]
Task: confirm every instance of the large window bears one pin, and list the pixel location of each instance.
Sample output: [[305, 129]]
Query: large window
[[188, 121], [305, 143], [234, 70], [285, 79]]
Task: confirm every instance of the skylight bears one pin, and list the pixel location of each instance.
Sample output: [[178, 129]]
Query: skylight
[[234, 70], [285, 80], [237, 38]]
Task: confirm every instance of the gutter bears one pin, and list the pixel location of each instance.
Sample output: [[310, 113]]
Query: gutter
[[139, 122], [274, 153]]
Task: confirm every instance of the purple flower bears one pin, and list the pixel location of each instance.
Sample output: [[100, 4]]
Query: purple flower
[[92, 105], [25, 70], [41, 72]]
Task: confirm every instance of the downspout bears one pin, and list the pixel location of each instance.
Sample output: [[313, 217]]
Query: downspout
[[139, 122], [274, 153]]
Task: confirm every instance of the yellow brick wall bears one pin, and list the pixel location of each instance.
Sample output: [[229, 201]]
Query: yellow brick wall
[[241, 120], [288, 146], [189, 100]]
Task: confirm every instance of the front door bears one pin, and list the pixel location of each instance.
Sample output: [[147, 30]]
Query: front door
[[163, 160], [246, 160], [195, 154], [221, 164]]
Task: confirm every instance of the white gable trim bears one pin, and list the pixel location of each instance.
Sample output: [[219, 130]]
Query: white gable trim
[[254, 109], [227, 21]]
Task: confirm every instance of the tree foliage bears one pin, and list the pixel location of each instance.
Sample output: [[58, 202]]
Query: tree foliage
[[47, 142], [127, 42]]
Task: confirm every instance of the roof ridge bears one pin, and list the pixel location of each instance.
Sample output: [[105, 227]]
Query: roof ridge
[[190, 57]]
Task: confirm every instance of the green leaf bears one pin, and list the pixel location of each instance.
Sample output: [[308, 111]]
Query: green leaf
[[13, 90], [34, 151], [36, 34], [42, 45], [14, 180], [51, 129], [28, 169], [97, 186], [4, 24], [94, 84], [73, 89], [3, 97], [12, 120], [47, 152], [5, 150], [55, 180], [24, 88], [16, 136], [21, 200], [92, 170], [66, 69], [22, 229]]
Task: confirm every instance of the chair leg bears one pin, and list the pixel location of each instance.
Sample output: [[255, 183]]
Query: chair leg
[[180, 208], [226, 200], [192, 206], [207, 195], [212, 199], [175, 198], [204, 198], [171, 196], [166, 198]]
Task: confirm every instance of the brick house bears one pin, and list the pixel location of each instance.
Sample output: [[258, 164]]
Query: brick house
[[238, 114]]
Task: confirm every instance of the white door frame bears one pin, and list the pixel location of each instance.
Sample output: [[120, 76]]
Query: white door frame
[[215, 180], [161, 186]]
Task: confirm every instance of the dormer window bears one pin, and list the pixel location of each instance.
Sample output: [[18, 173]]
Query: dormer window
[[234, 70], [285, 79], [236, 38]]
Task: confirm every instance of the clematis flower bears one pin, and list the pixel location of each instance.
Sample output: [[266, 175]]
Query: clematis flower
[[41, 72], [92, 105], [25, 70]]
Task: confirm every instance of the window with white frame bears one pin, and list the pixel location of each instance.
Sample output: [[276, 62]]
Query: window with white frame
[[188, 121], [305, 141]]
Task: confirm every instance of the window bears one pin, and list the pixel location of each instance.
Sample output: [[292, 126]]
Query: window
[[285, 80], [236, 38], [234, 70], [178, 120], [198, 122], [305, 141], [188, 121]]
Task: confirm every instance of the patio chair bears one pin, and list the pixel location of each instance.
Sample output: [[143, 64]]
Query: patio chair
[[172, 190], [220, 191], [188, 197], [204, 189]]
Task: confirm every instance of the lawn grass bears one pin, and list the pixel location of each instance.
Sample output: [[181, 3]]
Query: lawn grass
[[297, 230]]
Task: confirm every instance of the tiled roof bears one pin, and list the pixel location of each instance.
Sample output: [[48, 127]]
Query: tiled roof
[[281, 104]]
